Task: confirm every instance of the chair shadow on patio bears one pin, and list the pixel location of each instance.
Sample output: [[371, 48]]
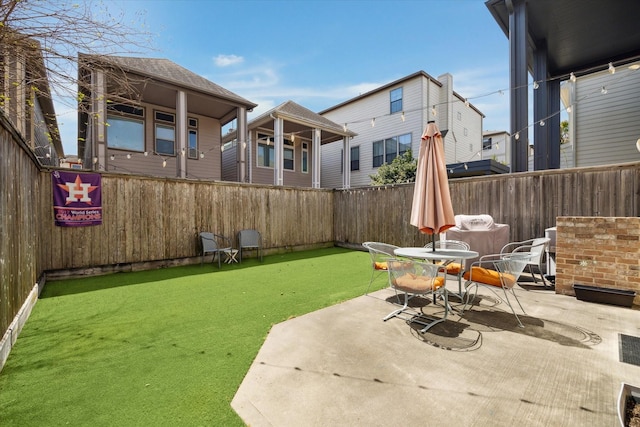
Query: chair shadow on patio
[[449, 334], [464, 332]]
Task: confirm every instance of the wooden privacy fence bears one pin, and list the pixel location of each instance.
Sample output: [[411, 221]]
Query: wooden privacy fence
[[146, 220], [152, 219], [529, 202]]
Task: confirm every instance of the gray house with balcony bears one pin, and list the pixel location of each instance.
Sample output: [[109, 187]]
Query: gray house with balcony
[[151, 116]]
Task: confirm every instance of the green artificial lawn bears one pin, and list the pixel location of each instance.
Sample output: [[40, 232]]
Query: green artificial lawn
[[162, 347]]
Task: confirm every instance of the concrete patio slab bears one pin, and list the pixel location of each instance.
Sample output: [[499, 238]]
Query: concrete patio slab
[[344, 366]]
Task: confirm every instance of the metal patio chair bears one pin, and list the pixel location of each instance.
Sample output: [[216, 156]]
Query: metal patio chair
[[498, 271], [455, 269], [537, 247], [250, 240], [379, 253], [417, 278], [216, 244]]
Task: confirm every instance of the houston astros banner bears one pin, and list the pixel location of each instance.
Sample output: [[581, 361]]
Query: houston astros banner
[[77, 199]]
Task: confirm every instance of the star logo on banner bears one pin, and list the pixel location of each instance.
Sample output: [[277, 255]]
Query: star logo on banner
[[78, 191]]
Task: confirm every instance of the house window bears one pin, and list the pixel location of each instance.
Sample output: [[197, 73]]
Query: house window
[[124, 128], [288, 155], [404, 143], [193, 138], [165, 133], [390, 149], [305, 157], [125, 133], [355, 158], [378, 153], [387, 150], [486, 144], [459, 115], [265, 155], [396, 100]]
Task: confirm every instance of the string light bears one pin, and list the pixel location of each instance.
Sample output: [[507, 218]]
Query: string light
[[466, 101], [164, 163]]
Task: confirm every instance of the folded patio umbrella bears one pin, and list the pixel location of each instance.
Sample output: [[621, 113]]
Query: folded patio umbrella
[[431, 210]]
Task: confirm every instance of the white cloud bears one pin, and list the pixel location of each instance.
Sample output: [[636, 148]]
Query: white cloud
[[227, 60]]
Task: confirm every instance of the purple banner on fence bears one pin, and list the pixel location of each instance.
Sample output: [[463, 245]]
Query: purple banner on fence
[[77, 198]]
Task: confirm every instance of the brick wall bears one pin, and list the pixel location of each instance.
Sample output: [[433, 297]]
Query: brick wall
[[598, 251]]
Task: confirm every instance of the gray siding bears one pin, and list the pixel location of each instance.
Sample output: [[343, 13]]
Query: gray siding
[[208, 167], [607, 125], [295, 178]]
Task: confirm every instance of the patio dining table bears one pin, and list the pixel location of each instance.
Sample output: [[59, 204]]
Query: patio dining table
[[444, 255]]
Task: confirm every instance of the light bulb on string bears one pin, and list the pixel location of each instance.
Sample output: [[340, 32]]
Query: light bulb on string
[[182, 152], [535, 85], [373, 122], [541, 122], [344, 127], [466, 167], [128, 155], [202, 154], [569, 109], [612, 69], [572, 77], [402, 116], [146, 153], [112, 157], [95, 160], [466, 103], [433, 111], [517, 136], [603, 90], [164, 163]]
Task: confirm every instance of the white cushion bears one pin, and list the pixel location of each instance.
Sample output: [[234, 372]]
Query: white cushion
[[474, 222]]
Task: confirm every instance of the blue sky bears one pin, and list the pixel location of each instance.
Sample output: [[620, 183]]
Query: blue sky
[[321, 53]]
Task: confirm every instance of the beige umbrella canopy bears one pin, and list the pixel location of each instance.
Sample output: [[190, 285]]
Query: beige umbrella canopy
[[432, 211]]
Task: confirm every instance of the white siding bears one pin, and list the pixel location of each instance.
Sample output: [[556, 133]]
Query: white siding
[[420, 95], [607, 126], [500, 150]]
